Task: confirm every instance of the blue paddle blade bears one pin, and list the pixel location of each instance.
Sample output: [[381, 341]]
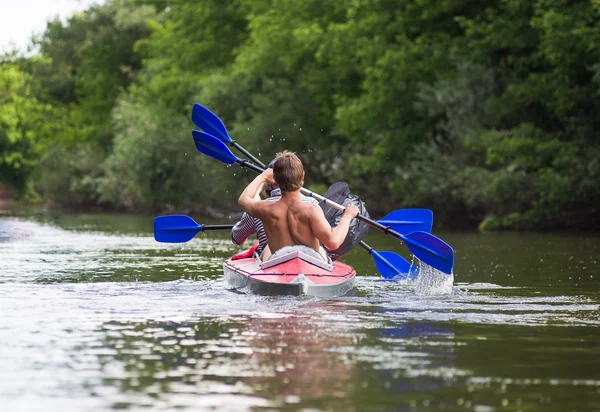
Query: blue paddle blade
[[213, 147], [390, 264], [406, 221], [175, 229], [430, 250], [210, 123]]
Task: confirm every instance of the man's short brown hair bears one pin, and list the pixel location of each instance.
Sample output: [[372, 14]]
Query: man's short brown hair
[[288, 172]]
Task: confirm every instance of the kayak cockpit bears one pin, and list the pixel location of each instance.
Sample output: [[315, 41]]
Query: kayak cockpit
[[294, 273]]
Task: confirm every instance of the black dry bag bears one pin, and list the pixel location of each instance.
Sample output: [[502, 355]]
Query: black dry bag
[[340, 193]]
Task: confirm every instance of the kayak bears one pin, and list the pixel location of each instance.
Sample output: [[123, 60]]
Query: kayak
[[295, 273]]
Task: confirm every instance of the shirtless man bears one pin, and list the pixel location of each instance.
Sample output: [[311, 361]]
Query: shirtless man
[[291, 222]]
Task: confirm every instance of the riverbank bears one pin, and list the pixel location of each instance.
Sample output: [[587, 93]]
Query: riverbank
[[6, 198], [9, 204]]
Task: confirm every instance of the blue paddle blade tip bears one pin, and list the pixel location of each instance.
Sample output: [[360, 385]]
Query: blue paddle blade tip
[[406, 221], [175, 229], [209, 122], [391, 265], [213, 147]]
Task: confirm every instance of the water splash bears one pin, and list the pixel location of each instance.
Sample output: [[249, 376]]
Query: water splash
[[426, 280], [433, 282]]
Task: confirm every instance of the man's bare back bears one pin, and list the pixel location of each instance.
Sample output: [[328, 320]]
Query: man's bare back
[[290, 221]]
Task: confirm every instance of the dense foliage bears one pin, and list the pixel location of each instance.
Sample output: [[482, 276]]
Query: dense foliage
[[485, 112]]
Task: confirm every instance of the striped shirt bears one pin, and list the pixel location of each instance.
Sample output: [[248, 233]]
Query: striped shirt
[[248, 225]]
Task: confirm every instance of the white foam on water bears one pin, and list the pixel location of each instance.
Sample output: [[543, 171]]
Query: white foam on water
[[433, 282]]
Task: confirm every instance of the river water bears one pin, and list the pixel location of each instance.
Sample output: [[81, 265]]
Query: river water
[[96, 315]]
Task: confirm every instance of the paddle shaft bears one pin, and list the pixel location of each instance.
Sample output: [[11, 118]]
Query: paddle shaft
[[247, 153], [215, 227], [385, 229], [251, 166], [365, 246]]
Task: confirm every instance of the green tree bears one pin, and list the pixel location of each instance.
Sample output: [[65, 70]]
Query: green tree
[[92, 61], [20, 113]]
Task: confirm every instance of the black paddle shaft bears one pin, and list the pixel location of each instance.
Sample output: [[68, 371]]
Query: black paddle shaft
[[252, 166], [244, 151], [366, 247], [215, 227], [385, 229]]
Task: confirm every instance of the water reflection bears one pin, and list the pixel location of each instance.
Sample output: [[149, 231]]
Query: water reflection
[[319, 353], [298, 353], [281, 357]]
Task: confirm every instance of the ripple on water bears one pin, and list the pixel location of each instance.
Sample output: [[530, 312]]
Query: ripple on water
[[120, 321], [44, 253]]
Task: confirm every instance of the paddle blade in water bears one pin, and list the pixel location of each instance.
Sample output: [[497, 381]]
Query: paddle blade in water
[[213, 147], [431, 250], [209, 122], [406, 221], [390, 264], [175, 229]]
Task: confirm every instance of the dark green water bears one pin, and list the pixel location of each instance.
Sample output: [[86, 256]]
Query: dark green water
[[95, 315]]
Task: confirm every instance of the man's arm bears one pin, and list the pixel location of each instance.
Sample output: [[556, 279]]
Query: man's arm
[[332, 238], [249, 199]]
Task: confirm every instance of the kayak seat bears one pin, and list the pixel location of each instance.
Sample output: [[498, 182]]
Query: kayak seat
[[300, 255], [246, 253]]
